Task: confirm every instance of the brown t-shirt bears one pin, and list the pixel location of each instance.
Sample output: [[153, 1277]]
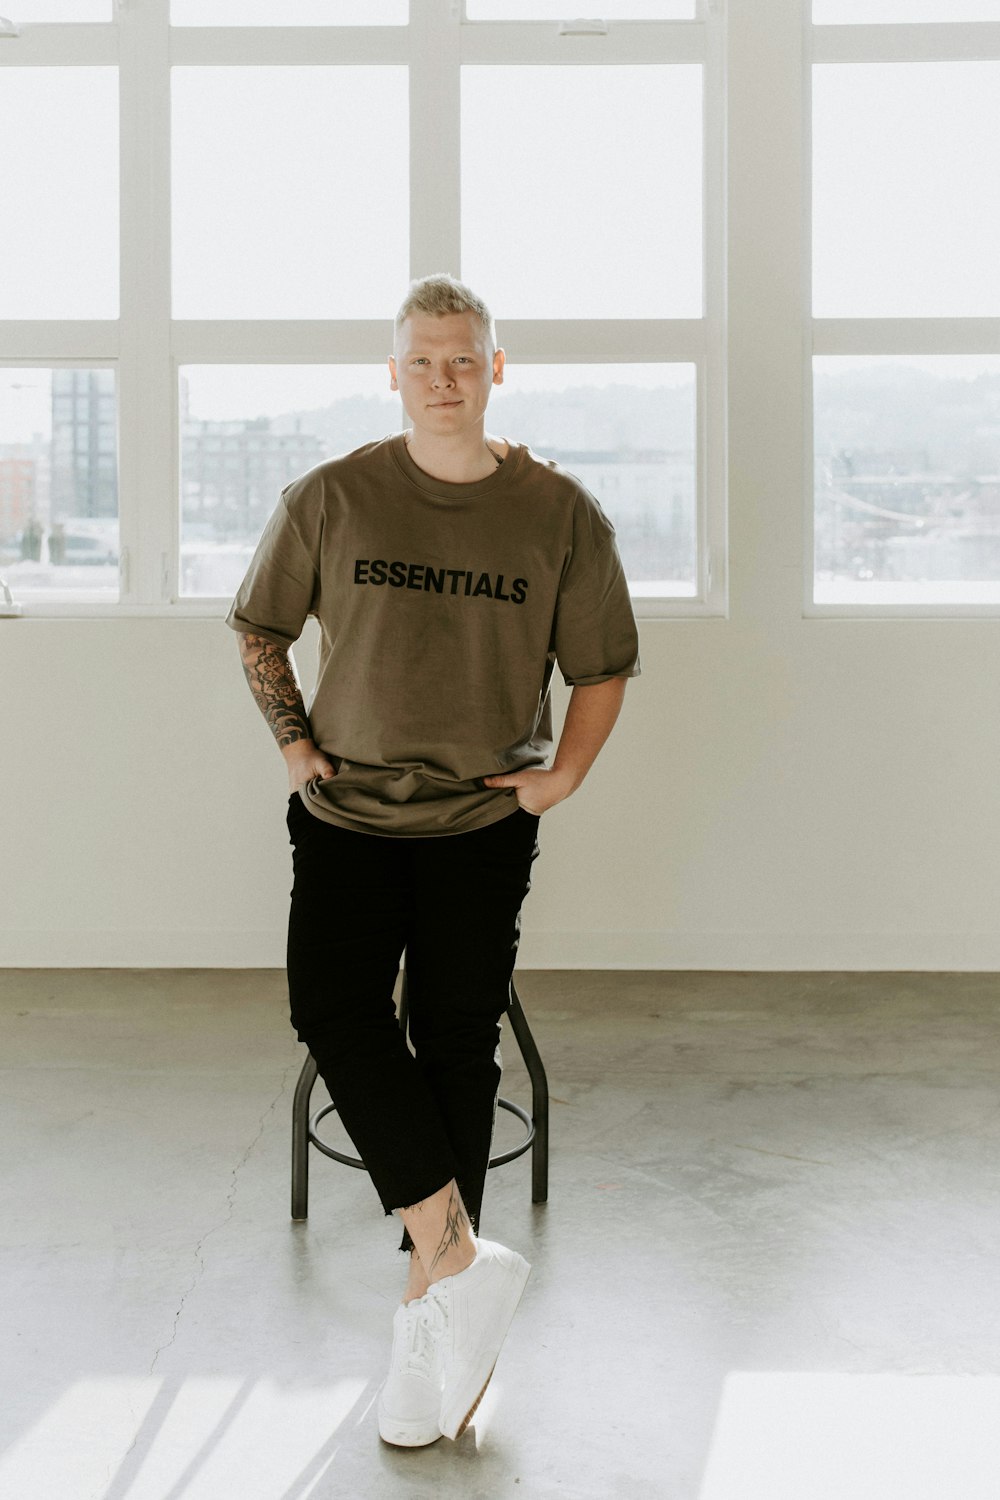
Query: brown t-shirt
[[443, 609]]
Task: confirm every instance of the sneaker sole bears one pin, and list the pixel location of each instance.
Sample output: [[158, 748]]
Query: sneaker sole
[[472, 1409], [400, 1434], [459, 1413]]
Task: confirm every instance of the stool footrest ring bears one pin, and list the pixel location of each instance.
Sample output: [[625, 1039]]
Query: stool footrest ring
[[355, 1161]]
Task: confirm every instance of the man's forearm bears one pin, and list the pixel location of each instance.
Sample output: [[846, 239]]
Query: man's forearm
[[590, 718], [276, 692]]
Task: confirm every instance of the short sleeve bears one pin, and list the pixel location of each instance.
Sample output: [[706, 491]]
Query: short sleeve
[[595, 637], [281, 586]]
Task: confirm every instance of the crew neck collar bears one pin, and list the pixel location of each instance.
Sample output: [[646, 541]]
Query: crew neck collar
[[443, 488]]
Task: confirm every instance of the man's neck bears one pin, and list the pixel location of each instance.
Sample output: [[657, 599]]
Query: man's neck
[[457, 460]]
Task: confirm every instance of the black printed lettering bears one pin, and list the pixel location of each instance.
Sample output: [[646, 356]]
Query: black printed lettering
[[425, 578]]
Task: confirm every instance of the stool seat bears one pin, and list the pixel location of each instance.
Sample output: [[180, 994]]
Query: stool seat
[[305, 1132]]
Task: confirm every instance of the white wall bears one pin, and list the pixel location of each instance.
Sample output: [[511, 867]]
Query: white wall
[[781, 792], [794, 794]]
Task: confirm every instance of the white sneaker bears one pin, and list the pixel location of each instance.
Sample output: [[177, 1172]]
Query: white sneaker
[[476, 1308], [410, 1401]]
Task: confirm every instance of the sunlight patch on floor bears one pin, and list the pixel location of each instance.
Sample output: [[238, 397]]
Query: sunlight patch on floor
[[198, 1437], [855, 1437]]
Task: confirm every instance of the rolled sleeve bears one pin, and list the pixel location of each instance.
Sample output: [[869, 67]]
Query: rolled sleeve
[[281, 586], [596, 637]]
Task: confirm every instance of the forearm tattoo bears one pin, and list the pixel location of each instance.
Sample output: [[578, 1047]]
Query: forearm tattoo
[[272, 682]]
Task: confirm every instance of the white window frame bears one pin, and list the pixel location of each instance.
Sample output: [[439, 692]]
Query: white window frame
[[147, 346], [960, 41]]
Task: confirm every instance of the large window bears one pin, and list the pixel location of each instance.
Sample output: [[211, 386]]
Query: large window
[[213, 207], [283, 172], [905, 178]]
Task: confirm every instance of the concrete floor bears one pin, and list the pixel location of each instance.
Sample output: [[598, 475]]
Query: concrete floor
[[767, 1269]]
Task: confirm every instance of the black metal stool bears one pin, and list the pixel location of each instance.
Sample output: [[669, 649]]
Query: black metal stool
[[304, 1126]]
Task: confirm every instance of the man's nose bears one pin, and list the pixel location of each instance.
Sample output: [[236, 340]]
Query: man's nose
[[443, 376]]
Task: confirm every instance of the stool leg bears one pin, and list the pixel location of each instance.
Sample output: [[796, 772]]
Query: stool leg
[[539, 1099], [300, 1138]]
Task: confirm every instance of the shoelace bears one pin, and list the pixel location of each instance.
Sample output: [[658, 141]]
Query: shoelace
[[425, 1320]]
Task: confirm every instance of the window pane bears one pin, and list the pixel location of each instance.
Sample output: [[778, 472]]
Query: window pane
[[290, 192], [604, 218], [246, 432], [906, 189], [58, 482], [59, 245], [60, 10], [563, 10], [628, 433], [289, 13], [853, 12], [907, 479]]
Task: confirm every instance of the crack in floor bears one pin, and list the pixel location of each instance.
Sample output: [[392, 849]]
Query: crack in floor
[[230, 1206], [813, 1161], [199, 1258]]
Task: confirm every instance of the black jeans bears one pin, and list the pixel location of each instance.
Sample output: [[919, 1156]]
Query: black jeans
[[453, 902]]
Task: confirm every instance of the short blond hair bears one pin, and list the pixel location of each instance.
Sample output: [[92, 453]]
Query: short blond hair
[[442, 293]]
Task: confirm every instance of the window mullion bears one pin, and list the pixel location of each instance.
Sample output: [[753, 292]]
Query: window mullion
[[906, 335], [147, 474], [933, 41], [711, 445], [435, 130], [50, 44], [767, 306], [517, 43]]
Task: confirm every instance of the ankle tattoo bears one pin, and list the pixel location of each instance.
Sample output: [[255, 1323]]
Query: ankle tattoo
[[455, 1219]]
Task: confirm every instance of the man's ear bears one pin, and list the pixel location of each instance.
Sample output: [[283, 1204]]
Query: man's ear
[[392, 372], [499, 360]]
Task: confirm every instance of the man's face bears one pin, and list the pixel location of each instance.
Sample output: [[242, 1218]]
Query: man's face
[[443, 369]]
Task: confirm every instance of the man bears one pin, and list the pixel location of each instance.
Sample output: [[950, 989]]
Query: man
[[449, 572]]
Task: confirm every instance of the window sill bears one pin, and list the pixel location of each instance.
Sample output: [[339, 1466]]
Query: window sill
[[93, 609], [217, 609]]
